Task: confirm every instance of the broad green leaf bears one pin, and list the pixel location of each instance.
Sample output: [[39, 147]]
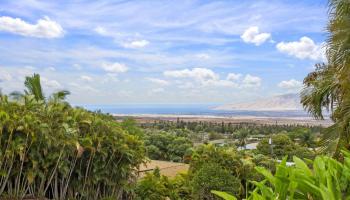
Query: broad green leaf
[[224, 195]]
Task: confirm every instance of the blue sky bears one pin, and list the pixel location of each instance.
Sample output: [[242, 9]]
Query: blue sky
[[111, 52]]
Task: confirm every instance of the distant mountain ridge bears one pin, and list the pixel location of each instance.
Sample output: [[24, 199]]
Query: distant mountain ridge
[[286, 102]]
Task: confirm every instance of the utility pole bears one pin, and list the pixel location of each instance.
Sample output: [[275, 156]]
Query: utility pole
[[271, 146]]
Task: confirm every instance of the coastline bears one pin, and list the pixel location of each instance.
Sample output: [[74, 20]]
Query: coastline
[[144, 118]]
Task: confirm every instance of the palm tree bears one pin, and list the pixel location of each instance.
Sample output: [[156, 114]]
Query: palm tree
[[33, 87], [242, 137], [328, 87]]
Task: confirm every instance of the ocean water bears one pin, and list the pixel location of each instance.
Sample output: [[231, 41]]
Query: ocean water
[[186, 109]]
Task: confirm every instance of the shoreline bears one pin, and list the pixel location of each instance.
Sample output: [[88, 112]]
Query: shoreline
[[146, 118]]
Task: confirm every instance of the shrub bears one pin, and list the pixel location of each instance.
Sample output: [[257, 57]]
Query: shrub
[[213, 177], [49, 149]]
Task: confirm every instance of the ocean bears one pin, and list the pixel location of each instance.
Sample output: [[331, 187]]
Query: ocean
[[186, 109]]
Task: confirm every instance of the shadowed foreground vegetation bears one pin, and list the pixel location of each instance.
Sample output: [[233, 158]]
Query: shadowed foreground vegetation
[[49, 149]]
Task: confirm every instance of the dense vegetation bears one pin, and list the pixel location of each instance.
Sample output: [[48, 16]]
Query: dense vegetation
[[50, 150], [323, 178], [326, 88]]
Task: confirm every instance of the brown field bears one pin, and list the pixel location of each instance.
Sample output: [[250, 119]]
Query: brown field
[[169, 169]]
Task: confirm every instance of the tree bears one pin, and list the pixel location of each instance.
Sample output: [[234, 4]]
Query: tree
[[50, 150], [34, 88], [212, 176], [328, 87], [282, 145], [242, 136], [153, 187]]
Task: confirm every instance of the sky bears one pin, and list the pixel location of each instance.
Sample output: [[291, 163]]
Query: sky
[[196, 51]]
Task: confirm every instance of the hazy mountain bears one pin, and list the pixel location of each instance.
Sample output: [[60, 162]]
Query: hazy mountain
[[276, 103]]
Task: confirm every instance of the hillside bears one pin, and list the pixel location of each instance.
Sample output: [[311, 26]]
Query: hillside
[[286, 102]]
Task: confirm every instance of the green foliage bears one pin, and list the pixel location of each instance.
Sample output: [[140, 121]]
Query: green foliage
[[282, 145], [162, 145], [34, 88], [212, 176], [328, 87], [326, 179], [50, 150], [158, 187], [223, 195]]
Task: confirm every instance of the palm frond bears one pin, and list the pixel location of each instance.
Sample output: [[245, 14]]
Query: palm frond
[[33, 85], [60, 95]]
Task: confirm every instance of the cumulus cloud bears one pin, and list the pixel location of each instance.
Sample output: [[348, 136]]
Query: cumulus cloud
[[233, 76], [86, 78], [158, 81], [50, 83], [100, 30], [80, 87], [44, 28], [252, 35], [196, 73], [251, 81], [305, 48], [114, 67], [291, 84], [136, 44], [208, 78], [4, 76]]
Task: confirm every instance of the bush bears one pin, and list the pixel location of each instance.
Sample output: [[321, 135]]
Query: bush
[[326, 179], [49, 149], [213, 177], [283, 145]]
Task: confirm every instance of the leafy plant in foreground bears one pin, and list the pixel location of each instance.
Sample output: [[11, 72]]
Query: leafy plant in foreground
[[49, 149], [327, 179]]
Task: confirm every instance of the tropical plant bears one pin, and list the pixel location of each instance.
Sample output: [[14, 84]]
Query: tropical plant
[[242, 136], [282, 145], [212, 176], [154, 186], [328, 87], [326, 179], [49, 149], [165, 145]]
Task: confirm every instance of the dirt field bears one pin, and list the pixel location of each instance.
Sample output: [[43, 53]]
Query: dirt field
[[169, 169]]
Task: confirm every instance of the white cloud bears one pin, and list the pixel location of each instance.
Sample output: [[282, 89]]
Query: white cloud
[[305, 48], [86, 78], [291, 84], [44, 28], [100, 30], [233, 76], [196, 73], [4, 76], [158, 81], [251, 81], [81, 87], [202, 56], [50, 83], [252, 35], [208, 78], [136, 44], [77, 67], [157, 90], [114, 67], [51, 69]]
